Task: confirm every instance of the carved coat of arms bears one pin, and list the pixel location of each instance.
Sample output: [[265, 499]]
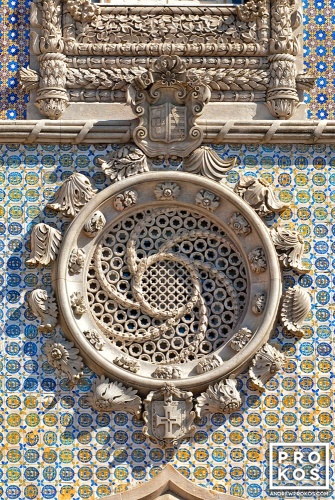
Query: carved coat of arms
[[168, 415], [168, 99]]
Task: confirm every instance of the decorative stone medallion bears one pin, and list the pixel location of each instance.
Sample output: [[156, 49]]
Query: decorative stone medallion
[[167, 282]]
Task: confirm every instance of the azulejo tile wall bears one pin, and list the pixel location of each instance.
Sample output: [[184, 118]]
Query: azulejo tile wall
[[319, 52], [55, 446]]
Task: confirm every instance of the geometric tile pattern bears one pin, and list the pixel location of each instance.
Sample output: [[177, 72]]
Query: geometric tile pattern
[[55, 446], [319, 52]]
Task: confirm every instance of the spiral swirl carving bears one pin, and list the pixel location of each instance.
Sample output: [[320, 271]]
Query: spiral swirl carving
[[166, 285]]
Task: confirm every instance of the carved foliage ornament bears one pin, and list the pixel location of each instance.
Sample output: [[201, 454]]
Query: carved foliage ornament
[[239, 53], [181, 286]]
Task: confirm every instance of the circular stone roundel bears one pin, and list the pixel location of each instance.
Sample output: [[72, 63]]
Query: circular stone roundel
[[167, 275]]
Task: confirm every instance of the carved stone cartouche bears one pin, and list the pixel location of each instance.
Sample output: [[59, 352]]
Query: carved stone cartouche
[[74, 193], [43, 305], [167, 100], [266, 363], [220, 398], [45, 242], [295, 308], [109, 396], [64, 357], [168, 415]]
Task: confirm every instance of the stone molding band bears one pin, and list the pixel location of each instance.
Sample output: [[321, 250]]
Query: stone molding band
[[120, 132]]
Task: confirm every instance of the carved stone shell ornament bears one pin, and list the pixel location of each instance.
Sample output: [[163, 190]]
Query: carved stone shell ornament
[[295, 308]]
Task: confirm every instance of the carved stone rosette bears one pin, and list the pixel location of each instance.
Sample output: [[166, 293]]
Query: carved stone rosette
[[172, 289]]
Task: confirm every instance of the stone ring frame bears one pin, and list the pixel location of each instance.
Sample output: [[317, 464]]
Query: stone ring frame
[[264, 281]]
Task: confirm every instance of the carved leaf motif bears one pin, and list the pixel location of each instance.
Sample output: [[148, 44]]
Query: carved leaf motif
[[75, 192], [113, 396], [29, 79], [207, 200], [267, 362], [44, 307], [220, 398], [205, 161], [125, 200], [124, 162], [296, 307], [45, 242], [259, 194], [290, 247]]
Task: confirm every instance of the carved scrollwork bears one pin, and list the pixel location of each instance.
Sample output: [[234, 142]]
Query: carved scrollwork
[[257, 259], [241, 339], [127, 364], [208, 363], [290, 247], [78, 304], [258, 303], [125, 200], [259, 194], [267, 362], [76, 260], [45, 241], [113, 396], [94, 224], [207, 200], [74, 193], [43, 305], [95, 339], [205, 161], [64, 357], [220, 398], [167, 191], [295, 308], [239, 224]]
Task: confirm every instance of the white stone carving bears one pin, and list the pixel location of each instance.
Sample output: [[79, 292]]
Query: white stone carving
[[295, 308], [83, 11], [167, 372], [29, 79], [258, 303], [113, 396], [220, 398], [43, 305], [95, 339], [208, 363], [257, 259], [259, 194], [205, 161], [76, 260], [207, 200], [73, 194], [45, 241], [94, 224], [241, 339], [290, 247], [124, 162], [78, 304], [239, 224], [167, 100], [167, 191], [127, 364], [166, 284], [125, 200], [64, 357], [168, 415], [267, 362]]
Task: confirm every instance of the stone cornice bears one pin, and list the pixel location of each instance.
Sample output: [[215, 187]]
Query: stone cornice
[[215, 132]]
